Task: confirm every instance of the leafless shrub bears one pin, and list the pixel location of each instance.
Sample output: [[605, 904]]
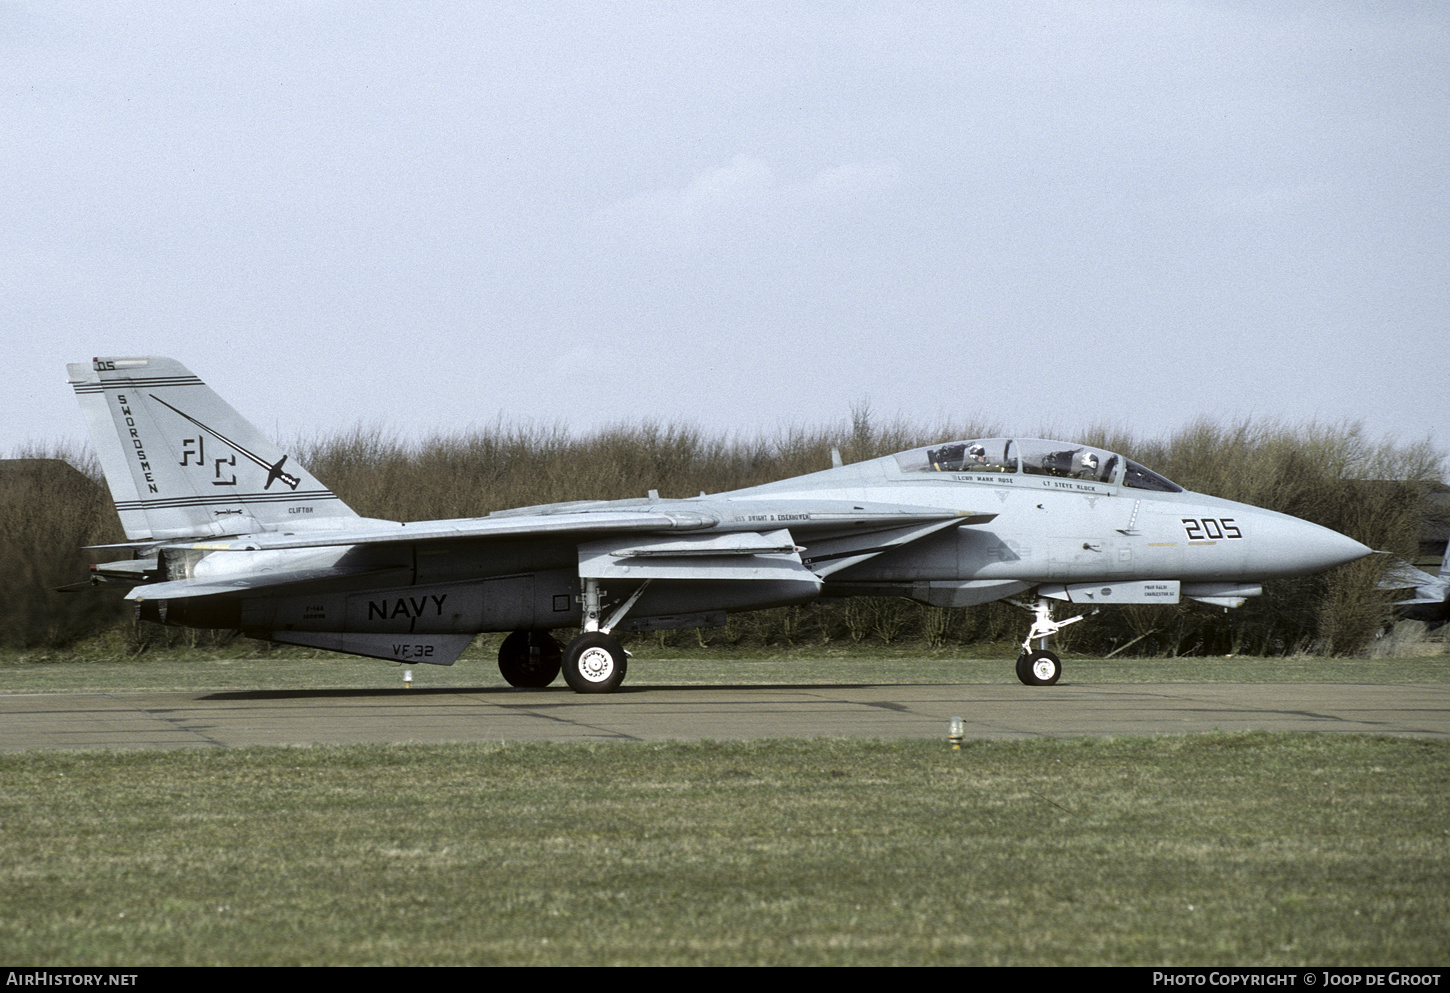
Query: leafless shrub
[[1408, 639], [48, 512]]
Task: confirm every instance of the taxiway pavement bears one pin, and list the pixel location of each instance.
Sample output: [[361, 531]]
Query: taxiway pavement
[[644, 713]]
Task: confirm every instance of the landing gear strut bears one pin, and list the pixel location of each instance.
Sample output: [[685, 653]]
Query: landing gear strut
[[1041, 667], [595, 661]]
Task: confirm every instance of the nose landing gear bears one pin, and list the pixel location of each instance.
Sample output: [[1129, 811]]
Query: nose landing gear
[[1041, 667]]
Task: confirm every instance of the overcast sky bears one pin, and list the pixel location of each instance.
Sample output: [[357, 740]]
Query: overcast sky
[[742, 216]]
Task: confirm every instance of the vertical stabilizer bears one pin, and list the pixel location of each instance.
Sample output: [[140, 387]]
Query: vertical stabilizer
[[182, 463]]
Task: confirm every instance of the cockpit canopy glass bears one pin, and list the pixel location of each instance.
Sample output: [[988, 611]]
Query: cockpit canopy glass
[[1033, 457], [1053, 458], [1146, 479], [987, 455]]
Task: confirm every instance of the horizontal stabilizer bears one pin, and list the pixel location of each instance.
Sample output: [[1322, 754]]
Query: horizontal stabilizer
[[180, 589], [1422, 598], [1402, 576]]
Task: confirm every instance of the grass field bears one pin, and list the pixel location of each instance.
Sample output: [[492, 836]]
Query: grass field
[[1204, 850], [1211, 849], [1218, 849]]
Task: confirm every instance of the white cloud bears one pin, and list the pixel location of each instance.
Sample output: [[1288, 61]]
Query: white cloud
[[853, 181], [747, 190], [743, 181]]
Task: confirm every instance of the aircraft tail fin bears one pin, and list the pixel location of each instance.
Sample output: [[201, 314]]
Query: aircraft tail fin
[[181, 463]]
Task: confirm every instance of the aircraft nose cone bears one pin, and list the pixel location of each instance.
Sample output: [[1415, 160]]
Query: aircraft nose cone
[[1302, 547], [1330, 548]]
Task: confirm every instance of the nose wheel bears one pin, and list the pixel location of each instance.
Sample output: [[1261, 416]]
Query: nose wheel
[[1039, 667]]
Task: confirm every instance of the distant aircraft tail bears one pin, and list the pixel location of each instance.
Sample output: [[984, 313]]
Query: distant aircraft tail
[[182, 463]]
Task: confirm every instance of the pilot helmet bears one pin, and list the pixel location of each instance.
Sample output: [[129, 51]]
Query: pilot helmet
[[1090, 461], [978, 453]]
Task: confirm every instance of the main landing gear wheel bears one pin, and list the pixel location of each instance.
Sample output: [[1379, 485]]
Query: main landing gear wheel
[[1039, 668], [594, 663], [529, 659]]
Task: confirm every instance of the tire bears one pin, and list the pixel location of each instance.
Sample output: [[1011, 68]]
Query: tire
[[1039, 669], [595, 663], [529, 659], [1023, 672]]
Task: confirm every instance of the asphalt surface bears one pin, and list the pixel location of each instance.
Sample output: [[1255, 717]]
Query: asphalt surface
[[235, 719]]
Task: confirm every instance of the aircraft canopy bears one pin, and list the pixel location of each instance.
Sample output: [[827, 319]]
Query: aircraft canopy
[[1034, 457]]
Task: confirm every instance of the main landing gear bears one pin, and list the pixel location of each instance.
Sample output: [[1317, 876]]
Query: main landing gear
[[1041, 667], [529, 659], [594, 662]]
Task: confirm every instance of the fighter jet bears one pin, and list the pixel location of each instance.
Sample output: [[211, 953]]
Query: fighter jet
[[225, 532], [1429, 600]]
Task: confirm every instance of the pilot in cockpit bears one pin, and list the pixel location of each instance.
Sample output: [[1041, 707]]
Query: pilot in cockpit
[[977, 461]]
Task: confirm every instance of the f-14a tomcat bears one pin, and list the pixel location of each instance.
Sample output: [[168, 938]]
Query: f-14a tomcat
[[226, 533]]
